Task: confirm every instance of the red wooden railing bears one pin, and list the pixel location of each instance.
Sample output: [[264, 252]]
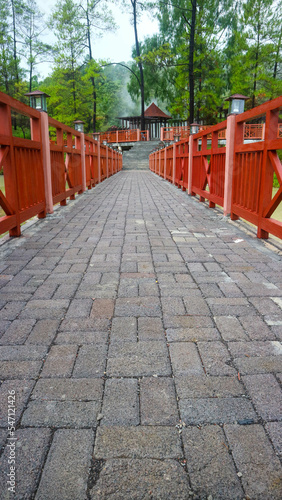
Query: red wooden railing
[[40, 171], [21, 160], [130, 135], [66, 172], [208, 172], [238, 176], [254, 168], [251, 131]]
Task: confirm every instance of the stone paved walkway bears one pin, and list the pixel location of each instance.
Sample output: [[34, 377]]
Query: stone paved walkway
[[140, 332]]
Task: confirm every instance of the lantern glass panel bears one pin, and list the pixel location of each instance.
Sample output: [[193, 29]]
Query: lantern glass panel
[[237, 106]]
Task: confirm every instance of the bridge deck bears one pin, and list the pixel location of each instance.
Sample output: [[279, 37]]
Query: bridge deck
[[141, 330]]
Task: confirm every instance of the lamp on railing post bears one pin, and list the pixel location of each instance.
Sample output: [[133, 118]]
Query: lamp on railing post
[[236, 103], [194, 128], [79, 125], [96, 136], [177, 137], [37, 100]]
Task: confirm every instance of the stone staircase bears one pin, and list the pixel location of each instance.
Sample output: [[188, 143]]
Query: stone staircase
[[137, 158]]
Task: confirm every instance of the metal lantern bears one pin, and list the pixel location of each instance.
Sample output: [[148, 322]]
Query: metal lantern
[[177, 137], [96, 136], [194, 128], [236, 103], [37, 100], [78, 125]]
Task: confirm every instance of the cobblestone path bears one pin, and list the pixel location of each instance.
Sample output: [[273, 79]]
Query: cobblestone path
[[140, 334]]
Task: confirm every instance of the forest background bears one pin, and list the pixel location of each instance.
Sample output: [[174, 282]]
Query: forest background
[[205, 50]]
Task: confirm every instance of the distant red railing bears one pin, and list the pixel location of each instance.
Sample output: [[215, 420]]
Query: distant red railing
[[208, 165], [130, 135], [42, 171], [66, 172], [251, 131], [237, 176]]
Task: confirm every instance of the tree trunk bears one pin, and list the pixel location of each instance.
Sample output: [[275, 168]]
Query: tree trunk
[[140, 65], [191, 62], [15, 42], [92, 79]]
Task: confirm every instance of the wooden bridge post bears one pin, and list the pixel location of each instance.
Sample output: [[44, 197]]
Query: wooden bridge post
[[174, 163], [99, 162], [83, 167], [46, 161], [190, 164], [229, 162]]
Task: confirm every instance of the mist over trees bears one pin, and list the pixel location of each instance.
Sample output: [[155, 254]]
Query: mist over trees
[[205, 50]]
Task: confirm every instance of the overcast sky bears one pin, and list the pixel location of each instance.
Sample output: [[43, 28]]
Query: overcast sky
[[115, 46]]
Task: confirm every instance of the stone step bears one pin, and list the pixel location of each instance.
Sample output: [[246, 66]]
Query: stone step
[[137, 158]]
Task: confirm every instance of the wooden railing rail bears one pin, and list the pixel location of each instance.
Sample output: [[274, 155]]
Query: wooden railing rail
[[251, 131], [129, 135], [55, 164], [254, 168], [22, 164], [208, 165], [238, 176]]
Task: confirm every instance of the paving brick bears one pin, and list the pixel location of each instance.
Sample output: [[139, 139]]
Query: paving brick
[[31, 449], [255, 348], [274, 430], [11, 310], [267, 306], [135, 479], [210, 466], [102, 308], [158, 401], [185, 359], [60, 361], [121, 402], [22, 390], [230, 328], [188, 322], [191, 334], [266, 395], [124, 329], [88, 389], [79, 338], [44, 332], [79, 308], [17, 332], [19, 369], [196, 305], [70, 452], [150, 329], [69, 414], [137, 442], [263, 364], [256, 328], [85, 325], [216, 410], [173, 305], [188, 387], [230, 306], [141, 359], [215, 358], [22, 353], [40, 309], [91, 361], [255, 459], [139, 306]]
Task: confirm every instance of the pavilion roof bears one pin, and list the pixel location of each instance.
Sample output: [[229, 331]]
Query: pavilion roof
[[153, 111]]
